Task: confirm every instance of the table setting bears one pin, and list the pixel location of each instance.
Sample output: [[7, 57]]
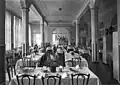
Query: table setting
[[64, 72]]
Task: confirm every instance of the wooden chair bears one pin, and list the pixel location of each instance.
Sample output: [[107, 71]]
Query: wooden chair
[[10, 67], [76, 61], [21, 79], [86, 56], [27, 62], [52, 77], [83, 76], [68, 63], [11, 71]]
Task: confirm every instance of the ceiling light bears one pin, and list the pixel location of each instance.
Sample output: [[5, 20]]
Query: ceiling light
[[60, 9]]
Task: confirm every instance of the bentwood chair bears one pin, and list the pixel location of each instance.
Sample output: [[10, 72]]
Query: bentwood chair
[[27, 62], [78, 75], [76, 61], [11, 71], [55, 78], [68, 63], [10, 67], [21, 81]]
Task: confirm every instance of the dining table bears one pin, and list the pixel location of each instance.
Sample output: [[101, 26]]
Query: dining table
[[65, 75]]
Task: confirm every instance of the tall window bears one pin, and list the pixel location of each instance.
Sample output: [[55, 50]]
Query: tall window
[[17, 32], [30, 35], [8, 30]]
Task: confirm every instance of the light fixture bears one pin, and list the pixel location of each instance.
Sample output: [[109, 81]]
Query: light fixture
[[60, 9]]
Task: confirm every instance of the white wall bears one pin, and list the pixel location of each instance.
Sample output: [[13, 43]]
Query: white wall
[[50, 30]]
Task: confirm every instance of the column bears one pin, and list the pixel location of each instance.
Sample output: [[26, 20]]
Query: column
[[45, 33], [25, 25], [77, 33], [12, 32], [116, 46], [94, 33], [2, 40], [30, 37], [42, 32], [69, 37]]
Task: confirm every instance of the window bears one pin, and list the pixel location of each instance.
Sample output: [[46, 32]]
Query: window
[[17, 32], [8, 30]]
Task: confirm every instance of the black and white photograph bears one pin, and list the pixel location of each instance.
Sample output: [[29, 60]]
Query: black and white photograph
[[59, 42]]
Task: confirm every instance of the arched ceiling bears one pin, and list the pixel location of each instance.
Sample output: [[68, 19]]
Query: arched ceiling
[[54, 11]]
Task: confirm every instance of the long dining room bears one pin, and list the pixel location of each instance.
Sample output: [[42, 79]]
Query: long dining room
[[59, 42]]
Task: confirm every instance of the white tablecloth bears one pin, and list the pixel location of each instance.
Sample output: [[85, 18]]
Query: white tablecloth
[[94, 80]]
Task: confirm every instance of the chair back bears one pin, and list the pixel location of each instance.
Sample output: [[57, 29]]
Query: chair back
[[10, 60], [27, 62], [11, 71], [86, 56], [83, 76], [21, 79], [68, 63], [76, 61], [52, 77], [10, 67]]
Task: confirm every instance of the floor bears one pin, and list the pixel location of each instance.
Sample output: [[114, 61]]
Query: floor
[[103, 71]]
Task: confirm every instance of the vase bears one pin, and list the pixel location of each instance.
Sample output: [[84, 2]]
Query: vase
[[53, 69]]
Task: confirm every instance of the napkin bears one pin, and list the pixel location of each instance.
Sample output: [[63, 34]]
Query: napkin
[[77, 67]]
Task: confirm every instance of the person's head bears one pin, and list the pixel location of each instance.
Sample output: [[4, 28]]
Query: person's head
[[59, 51], [49, 50], [69, 50]]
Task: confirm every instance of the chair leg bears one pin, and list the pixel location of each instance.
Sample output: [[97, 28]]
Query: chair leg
[[8, 74]]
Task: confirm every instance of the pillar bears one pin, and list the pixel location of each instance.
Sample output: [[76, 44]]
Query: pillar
[[45, 33], [69, 37], [94, 30], [25, 24], [2, 40], [42, 32], [77, 33], [116, 47], [12, 32]]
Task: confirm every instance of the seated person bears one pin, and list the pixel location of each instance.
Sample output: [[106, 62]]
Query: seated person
[[48, 58], [36, 48], [60, 57]]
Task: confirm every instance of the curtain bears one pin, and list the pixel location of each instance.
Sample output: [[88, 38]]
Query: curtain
[[17, 32], [8, 30]]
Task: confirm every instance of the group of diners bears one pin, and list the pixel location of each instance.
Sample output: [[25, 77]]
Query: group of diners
[[57, 54], [51, 56]]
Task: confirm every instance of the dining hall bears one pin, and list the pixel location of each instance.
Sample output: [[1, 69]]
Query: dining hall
[[59, 42]]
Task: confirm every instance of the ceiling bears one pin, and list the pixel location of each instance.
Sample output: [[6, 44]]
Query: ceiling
[[50, 9]]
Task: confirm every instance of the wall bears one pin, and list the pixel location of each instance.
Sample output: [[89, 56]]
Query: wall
[[50, 31], [35, 29]]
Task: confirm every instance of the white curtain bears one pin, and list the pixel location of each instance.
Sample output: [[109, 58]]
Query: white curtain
[[17, 32], [8, 30]]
